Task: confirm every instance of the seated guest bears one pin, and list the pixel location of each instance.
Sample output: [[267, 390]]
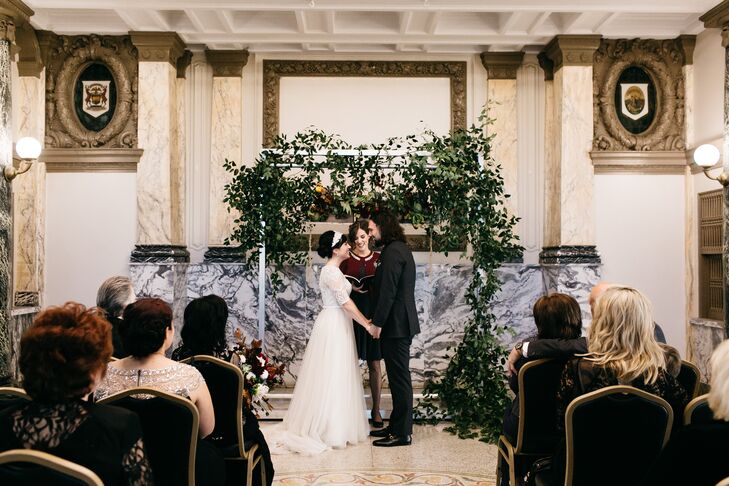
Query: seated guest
[[622, 350], [564, 348], [203, 332], [113, 296], [146, 332], [698, 454], [557, 316], [63, 357]]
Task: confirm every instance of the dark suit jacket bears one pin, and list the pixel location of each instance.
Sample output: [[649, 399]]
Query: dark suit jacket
[[394, 292]]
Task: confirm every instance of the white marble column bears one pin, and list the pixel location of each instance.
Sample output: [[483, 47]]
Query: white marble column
[[570, 222], [226, 142], [29, 195], [160, 173], [718, 17]]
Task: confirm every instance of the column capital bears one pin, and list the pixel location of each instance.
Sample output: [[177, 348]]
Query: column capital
[[547, 66], [7, 29], [227, 64], [687, 44], [501, 65], [158, 46], [572, 50]]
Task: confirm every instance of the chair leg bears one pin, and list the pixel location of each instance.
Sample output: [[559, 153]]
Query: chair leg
[[262, 466]]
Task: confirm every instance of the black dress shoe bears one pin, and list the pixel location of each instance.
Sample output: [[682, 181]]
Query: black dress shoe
[[378, 424], [380, 433], [393, 441]]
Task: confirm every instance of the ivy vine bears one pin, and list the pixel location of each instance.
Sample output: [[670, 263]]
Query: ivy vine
[[448, 184]]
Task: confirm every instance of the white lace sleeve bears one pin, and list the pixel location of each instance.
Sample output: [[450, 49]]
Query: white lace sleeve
[[335, 281]]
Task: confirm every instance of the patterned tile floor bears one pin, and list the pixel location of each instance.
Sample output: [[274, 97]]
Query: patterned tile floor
[[436, 458]]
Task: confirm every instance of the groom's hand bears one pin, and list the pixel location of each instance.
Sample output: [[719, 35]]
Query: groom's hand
[[376, 332]]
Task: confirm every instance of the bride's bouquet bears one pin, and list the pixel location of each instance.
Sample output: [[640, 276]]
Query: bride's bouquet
[[260, 373]]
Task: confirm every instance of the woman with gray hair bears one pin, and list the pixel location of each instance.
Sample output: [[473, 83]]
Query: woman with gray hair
[[112, 297]]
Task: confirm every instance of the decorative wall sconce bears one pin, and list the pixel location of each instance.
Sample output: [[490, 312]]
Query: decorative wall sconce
[[28, 150]]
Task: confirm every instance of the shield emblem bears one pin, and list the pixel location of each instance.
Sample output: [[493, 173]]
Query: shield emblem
[[634, 100], [96, 97]]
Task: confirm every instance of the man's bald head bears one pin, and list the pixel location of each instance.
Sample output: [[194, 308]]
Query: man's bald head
[[596, 292]]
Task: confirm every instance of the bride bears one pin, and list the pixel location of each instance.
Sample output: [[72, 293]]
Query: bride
[[328, 407]]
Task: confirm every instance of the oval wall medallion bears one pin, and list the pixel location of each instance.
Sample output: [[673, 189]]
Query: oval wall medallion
[[94, 96], [635, 99]]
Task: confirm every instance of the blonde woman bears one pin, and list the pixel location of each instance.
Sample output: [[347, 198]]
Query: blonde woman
[[697, 454], [621, 350]]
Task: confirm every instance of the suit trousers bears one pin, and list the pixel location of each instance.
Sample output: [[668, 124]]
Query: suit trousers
[[396, 353]]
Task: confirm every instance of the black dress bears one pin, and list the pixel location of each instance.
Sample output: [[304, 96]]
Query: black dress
[[362, 270], [105, 439]]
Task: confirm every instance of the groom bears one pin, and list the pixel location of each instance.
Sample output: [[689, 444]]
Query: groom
[[396, 322]]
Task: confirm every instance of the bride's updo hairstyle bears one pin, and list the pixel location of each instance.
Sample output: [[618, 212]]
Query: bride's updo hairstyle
[[325, 244]]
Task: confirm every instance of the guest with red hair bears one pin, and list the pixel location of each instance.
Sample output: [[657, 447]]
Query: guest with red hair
[[63, 357]]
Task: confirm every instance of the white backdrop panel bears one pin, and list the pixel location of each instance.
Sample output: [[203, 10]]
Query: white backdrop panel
[[90, 232], [365, 110]]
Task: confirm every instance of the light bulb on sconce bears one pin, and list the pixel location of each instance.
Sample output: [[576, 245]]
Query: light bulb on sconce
[[28, 150], [706, 156]]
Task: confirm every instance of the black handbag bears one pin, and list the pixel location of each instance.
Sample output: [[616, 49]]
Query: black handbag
[[540, 473]]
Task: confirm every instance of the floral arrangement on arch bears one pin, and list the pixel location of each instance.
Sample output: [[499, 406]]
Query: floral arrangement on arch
[[260, 373]]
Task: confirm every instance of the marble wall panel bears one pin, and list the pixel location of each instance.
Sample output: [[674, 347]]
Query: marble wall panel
[[156, 119], [20, 320], [177, 160], [29, 197], [291, 312], [573, 89], [552, 212], [704, 336], [521, 286], [502, 96], [576, 280], [226, 143]]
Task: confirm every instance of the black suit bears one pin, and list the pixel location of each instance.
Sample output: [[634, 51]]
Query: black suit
[[395, 313]]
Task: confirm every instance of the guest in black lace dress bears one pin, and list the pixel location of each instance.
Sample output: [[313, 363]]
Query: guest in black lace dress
[[203, 332], [622, 350], [63, 357]]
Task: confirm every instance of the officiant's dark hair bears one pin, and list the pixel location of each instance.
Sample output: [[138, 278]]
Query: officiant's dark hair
[[325, 244], [390, 229], [360, 224]]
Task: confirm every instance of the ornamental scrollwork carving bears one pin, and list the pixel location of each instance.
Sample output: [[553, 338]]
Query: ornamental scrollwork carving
[[65, 58], [273, 70], [662, 61]]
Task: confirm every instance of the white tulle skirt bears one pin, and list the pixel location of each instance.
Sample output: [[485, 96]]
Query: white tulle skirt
[[328, 407]]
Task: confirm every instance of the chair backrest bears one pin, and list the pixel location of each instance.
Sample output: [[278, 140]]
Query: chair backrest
[[690, 378], [10, 396], [538, 384], [614, 433], [698, 412], [225, 382], [170, 429], [22, 467]]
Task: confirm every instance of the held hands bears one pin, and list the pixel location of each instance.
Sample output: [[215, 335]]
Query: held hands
[[374, 331]]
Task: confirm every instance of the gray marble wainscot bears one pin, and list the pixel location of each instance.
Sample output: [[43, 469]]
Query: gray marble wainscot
[[704, 336], [290, 313], [20, 319]]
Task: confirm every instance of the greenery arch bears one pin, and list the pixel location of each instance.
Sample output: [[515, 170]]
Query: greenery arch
[[448, 184]]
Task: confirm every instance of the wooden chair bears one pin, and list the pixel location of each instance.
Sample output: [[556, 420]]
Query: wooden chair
[[614, 433], [537, 435], [698, 412], [225, 382], [22, 467], [170, 429], [690, 378], [10, 396]]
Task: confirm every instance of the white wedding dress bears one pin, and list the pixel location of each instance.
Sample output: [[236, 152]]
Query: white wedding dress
[[327, 409]]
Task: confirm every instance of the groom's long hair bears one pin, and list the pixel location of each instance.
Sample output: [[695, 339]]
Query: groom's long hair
[[390, 229]]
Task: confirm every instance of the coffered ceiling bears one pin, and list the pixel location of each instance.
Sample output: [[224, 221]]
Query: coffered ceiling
[[438, 26]]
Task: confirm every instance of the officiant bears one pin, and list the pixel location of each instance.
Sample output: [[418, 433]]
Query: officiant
[[359, 269]]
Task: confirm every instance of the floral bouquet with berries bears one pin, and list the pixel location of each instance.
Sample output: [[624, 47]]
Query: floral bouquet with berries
[[260, 373]]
